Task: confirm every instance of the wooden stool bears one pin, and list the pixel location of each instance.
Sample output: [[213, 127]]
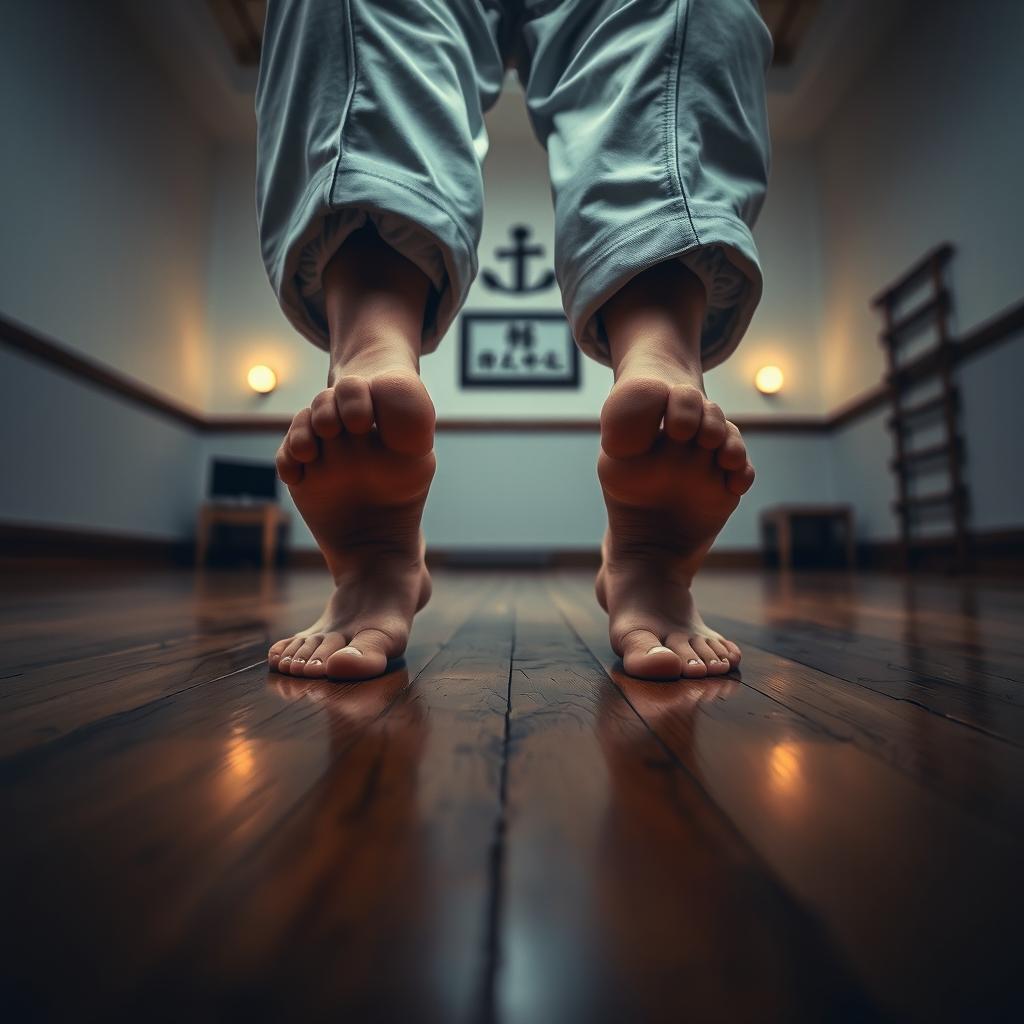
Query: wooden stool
[[780, 519], [267, 515]]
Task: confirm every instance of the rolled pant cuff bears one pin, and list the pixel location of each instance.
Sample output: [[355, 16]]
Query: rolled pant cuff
[[413, 222], [595, 277]]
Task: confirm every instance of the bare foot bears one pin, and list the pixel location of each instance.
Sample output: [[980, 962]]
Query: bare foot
[[672, 470], [664, 510], [358, 464]]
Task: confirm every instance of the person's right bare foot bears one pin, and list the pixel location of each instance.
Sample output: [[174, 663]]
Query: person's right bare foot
[[358, 464]]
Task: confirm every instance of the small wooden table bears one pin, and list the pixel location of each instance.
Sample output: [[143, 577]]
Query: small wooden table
[[779, 520], [265, 514]]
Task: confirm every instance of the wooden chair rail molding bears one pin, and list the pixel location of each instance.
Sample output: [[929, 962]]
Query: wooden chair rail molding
[[24, 339]]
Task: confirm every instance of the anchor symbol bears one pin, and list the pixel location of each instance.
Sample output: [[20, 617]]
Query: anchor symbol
[[519, 252]]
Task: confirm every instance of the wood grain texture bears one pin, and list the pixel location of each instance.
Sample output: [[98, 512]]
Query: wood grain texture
[[889, 859], [505, 827]]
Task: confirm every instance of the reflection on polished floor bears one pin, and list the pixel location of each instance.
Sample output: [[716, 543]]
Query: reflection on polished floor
[[505, 827]]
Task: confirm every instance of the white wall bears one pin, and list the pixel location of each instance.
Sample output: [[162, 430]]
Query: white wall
[[787, 328], [539, 491], [104, 174], [927, 147], [77, 457], [244, 325]]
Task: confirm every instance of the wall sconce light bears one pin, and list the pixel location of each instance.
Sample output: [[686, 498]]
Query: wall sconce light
[[769, 380], [262, 379]]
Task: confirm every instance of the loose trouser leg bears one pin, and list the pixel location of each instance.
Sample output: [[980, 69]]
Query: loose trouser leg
[[653, 116], [373, 110]]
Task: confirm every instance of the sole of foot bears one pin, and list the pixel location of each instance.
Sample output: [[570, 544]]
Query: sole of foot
[[358, 463], [672, 471]]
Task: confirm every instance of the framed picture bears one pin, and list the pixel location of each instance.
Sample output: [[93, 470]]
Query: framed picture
[[518, 350]]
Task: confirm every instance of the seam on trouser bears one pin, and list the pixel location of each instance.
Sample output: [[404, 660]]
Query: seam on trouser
[[351, 35], [671, 115]]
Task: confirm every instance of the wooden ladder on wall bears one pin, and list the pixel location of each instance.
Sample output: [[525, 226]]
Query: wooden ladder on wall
[[927, 279]]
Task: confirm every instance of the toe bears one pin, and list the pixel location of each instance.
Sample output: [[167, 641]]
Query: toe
[[276, 651], [713, 430], [316, 664], [693, 667], [735, 654], [632, 415], [740, 481], [685, 409], [323, 415], [303, 654], [704, 651], [284, 665], [301, 441], [403, 412], [365, 656], [733, 453], [354, 404], [288, 469], [646, 657], [721, 650]]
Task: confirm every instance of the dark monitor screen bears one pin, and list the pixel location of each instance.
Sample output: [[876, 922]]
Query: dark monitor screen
[[243, 480]]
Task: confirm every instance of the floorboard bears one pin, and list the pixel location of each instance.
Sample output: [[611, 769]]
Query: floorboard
[[505, 827], [624, 886], [820, 809]]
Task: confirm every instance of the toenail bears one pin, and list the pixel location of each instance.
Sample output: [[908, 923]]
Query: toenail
[[316, 661], [298, 661], [351, 650], [658, 649], [693, 661]]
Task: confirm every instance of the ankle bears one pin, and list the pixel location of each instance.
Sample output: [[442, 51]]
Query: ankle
[[654, 321], [375, 300], [624, 555]]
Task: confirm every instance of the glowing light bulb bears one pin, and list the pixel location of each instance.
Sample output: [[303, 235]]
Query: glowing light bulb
[[262, 379], [768, 380]]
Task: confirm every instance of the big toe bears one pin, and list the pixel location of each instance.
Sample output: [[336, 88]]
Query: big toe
[[646, 657], [632, 416], [403, 412], [365, 656]]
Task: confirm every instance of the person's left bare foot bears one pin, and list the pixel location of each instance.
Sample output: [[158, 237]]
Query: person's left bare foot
[[664, 510], [672, 468]]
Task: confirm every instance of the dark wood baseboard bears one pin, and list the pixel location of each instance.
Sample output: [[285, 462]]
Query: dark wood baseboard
[[24, 339], [22, 543], [998, 329], [993, 552]]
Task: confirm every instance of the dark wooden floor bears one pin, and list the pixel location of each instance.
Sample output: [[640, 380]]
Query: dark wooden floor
[[506, 827]]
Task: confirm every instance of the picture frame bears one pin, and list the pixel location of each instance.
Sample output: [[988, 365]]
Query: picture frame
[[517, 349]]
